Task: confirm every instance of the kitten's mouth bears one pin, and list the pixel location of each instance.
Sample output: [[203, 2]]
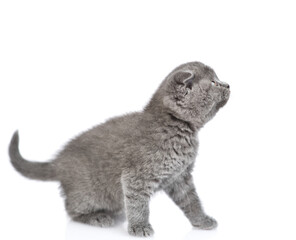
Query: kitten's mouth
[[226, 93]]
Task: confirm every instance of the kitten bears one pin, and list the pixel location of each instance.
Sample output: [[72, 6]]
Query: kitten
[[115, 167]]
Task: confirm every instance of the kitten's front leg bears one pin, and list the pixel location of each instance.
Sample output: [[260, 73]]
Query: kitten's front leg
[[137, 194], [183, 193]]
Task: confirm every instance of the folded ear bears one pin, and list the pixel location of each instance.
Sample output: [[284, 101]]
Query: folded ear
[[185, 78]]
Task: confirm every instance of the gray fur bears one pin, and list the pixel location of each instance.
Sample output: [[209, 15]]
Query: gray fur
[[33, 170], [115, 167]]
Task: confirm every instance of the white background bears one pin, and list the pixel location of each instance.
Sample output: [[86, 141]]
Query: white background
[[68, 65]]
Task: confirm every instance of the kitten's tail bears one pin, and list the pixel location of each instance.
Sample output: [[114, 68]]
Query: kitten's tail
[[34, 170]]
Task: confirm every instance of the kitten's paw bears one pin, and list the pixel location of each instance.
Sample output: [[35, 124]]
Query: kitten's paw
[[101, 220], [140, 230], [206, 223]]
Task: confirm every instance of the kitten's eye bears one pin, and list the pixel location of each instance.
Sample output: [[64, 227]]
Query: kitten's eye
[[213, 83]]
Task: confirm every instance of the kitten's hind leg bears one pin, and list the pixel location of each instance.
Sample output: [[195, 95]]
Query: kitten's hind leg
[[100, 218], [84, 212]]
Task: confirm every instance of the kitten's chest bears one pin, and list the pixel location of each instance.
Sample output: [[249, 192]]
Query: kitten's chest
[[178, 153]]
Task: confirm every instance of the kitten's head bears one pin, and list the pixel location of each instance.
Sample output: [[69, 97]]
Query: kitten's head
[[192, 92]]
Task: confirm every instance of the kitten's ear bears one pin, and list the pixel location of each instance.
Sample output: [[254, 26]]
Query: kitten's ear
[[184, 77]]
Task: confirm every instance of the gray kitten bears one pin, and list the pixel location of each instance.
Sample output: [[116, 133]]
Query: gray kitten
[[116, 167]]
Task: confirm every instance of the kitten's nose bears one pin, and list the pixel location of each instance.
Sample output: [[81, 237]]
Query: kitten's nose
[[223, 84], [226, 85]]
